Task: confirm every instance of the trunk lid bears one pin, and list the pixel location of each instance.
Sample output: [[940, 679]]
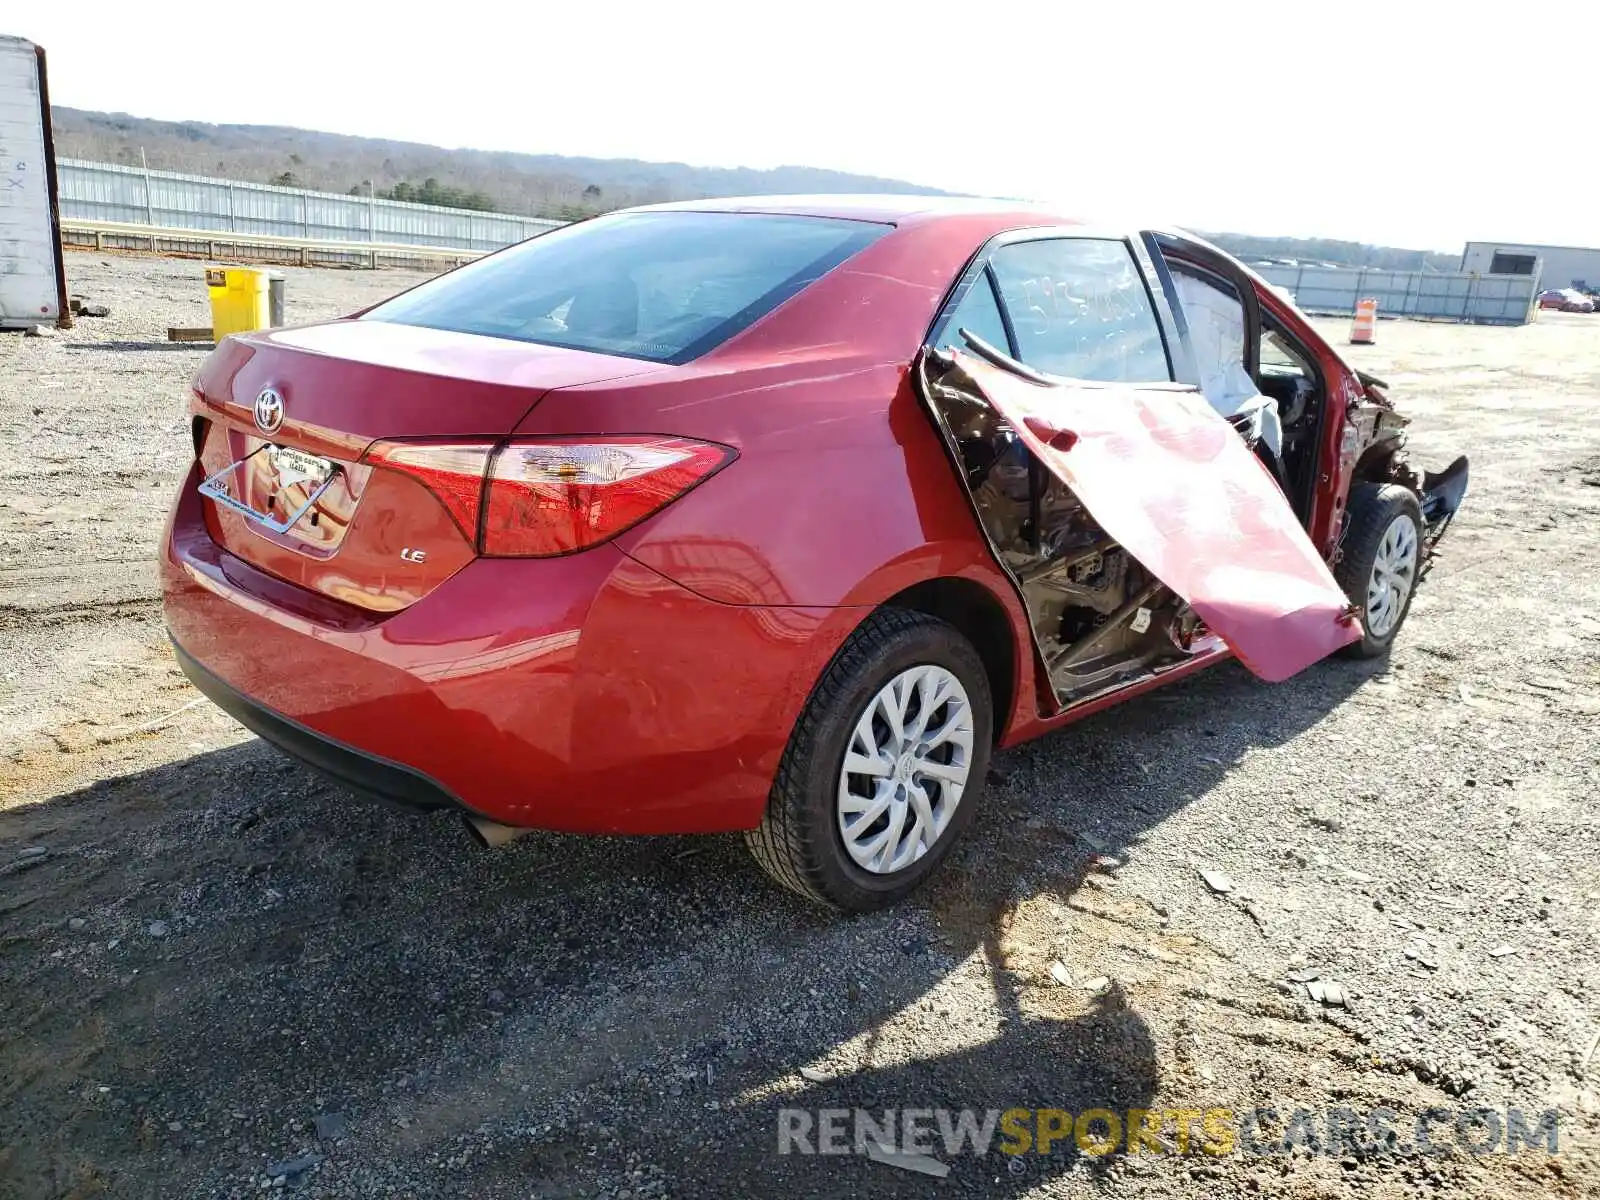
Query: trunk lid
[[288, 489], [353, 382]]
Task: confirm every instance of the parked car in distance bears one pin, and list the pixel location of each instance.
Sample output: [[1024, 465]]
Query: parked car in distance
[[778, 515], [1566, 300]]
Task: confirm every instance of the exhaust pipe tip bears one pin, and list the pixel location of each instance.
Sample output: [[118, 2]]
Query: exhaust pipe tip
[[491, 833]]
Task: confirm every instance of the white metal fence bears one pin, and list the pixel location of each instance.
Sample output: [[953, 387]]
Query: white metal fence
[[104, 192], [1449, 296]]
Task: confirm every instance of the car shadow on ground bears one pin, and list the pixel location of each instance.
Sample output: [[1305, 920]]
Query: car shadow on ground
[[254, 947]]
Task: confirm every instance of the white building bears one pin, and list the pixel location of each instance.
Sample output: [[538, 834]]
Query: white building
[[1556, 266], [32, 282]]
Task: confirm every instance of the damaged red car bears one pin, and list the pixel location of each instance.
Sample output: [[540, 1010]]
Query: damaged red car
[[779, 515]]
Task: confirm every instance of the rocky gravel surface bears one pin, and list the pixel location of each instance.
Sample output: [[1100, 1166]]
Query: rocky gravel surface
[[1376, 886]]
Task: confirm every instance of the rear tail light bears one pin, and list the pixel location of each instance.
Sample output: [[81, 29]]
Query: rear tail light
[[454, 473], [556, 495]]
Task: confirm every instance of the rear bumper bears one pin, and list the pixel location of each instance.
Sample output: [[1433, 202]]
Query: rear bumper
[[378, 778], [588, 693]]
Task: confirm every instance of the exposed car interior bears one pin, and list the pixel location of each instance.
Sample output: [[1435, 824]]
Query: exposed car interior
[[1287, 374], [1284, 433], [1100, 618]]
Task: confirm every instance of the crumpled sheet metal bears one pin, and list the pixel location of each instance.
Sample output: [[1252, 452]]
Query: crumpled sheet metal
[[1177, 487]]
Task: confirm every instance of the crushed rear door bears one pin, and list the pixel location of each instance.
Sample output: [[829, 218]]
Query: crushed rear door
[[1176, 486]]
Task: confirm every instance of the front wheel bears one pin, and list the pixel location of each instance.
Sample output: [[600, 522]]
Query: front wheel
[[884, 768], [1381, 563]]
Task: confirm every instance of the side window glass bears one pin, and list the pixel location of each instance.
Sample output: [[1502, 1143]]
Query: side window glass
[[1216, 334], [1080, 309], [978, 313], [1280, 356]]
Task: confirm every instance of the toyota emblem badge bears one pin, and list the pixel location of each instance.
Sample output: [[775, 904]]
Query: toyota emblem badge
[[269, 411]]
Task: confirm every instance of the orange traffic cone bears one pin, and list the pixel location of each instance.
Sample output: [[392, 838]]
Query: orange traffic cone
[[1366, 322]]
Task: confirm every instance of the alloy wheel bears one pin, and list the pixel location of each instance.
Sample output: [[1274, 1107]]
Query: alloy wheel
[[1394, 572], [905, 769]]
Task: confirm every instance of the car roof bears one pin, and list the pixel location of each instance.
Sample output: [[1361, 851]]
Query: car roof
[[888, 207]]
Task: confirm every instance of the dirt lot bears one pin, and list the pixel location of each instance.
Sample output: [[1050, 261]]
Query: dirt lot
[[213, 964]]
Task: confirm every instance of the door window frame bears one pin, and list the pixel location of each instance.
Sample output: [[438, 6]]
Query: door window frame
[[1206, 260], [1158, 290], [1199, 255]]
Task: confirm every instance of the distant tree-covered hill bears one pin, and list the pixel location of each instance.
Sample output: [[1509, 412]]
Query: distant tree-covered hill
[[533, 184], [547, 185]]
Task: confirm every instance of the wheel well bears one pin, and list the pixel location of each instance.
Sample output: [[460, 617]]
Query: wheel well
[[982, 620], [1385, 462], [1373, 465]]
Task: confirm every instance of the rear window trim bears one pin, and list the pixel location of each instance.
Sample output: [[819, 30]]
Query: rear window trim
[[736, 324]]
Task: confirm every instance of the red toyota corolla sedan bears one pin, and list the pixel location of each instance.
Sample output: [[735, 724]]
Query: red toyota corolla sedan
[[777, 515]]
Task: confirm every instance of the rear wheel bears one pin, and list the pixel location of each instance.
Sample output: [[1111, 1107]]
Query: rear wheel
[[884, 767], [1381, 562]]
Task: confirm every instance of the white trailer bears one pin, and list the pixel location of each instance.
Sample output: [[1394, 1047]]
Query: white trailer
[[33, 283]]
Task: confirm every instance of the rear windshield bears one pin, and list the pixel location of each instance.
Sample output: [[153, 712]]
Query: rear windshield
[[663, 286]]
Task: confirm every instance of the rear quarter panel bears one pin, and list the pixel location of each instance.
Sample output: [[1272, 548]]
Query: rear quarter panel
[[842, 494], [838, 497]]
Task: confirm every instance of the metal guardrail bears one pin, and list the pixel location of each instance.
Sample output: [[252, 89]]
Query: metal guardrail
[[113, 206], [244, 247], [108, 194]]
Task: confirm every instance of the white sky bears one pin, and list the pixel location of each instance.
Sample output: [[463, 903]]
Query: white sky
[[1406, 122]]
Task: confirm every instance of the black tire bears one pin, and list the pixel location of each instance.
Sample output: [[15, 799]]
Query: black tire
[[798, 841], [1372, 509]]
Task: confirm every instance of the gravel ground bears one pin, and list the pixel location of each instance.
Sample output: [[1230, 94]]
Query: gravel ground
[[223, 977]]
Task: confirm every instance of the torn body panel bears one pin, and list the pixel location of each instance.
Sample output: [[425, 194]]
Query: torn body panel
[[1441, 493], [1074, 582], [1157, 525], [1377, 432]]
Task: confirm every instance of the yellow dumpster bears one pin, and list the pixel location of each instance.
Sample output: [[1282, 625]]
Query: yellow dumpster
[[240, 300]]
